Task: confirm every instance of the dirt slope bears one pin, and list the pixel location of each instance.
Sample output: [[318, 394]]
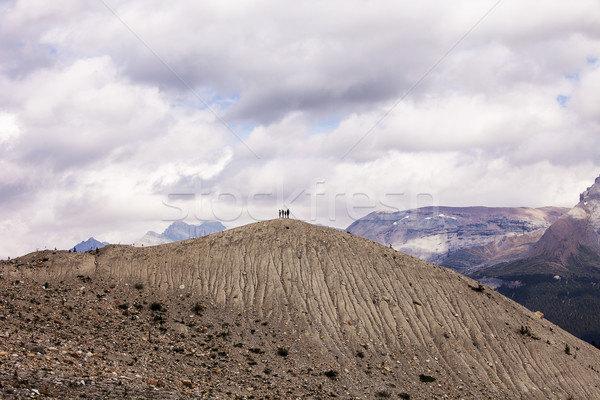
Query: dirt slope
[[277, 309]]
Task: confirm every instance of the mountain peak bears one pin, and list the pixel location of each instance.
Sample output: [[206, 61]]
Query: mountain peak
[[591, 193], [180, 230], [87, 245]]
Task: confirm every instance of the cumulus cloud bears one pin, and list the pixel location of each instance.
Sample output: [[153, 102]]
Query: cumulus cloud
[[117, 117]]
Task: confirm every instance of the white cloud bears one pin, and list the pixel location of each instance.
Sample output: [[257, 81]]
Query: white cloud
[[96, 131], [9, 129]]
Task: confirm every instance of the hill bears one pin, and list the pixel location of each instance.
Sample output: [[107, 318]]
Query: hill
[[277, 309]]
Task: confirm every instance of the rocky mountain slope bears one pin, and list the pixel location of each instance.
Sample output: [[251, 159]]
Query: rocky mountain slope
[[560, 273], [178, 231], [87, 245], [462, 238], [279, 309]]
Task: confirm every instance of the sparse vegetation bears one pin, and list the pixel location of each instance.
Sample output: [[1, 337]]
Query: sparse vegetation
[[526, 331], [404, 396], [479, 288], [383, 394], [282, 351], [139, 286], [199, 308], [426, 378], [155, 306], [331, 374], [360, 354]]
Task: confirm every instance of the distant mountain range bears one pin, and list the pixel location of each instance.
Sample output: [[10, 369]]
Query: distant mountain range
[[461, 238], [87, 245], [560, 273], [178, 231], [175, 232], [547, 259]]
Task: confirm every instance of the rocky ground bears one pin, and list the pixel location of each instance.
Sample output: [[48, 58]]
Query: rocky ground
[[97, 339]]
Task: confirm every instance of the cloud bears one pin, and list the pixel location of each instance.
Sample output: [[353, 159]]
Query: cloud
[[333, 109]]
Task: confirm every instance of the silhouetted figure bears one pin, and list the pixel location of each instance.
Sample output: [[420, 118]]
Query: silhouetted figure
[[279, 213], [287, 213]]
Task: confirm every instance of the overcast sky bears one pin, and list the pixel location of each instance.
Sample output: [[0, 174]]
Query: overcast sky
[[117, 117]]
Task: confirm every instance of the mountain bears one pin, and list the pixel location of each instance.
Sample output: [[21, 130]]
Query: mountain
[[178, 231], [462, 238], [90, 244], [560, 273], [275, 309]]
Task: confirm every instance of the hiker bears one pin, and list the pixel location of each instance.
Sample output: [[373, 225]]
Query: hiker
[[279, 213], [287, 213]]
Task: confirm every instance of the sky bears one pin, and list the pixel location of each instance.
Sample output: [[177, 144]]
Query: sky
[[119, 117]]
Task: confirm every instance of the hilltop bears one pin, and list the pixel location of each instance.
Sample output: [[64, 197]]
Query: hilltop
[[277, 309]]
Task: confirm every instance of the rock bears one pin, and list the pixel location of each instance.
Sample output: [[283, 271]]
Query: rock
[[187, 383], [35, 348]]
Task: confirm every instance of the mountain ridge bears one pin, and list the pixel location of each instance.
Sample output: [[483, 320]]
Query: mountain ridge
[[87, 245], [178, 231], [445, 235], [560, 273]]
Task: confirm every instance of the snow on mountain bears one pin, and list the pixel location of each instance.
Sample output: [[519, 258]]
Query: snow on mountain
[[178, 231]]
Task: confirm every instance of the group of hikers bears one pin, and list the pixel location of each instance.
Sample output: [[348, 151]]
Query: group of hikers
[[284, 213]]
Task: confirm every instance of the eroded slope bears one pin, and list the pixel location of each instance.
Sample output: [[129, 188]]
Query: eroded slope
[[356, 319]]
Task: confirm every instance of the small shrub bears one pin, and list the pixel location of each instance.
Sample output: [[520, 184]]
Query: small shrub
[[156, 306], [426, 378], [360, 354], [404, 396], [199, 308], [267, 371], [123, 306], [331, 374], [480, 288], [138, 286], [383, 394], [256, 350], [283, 352], [567, 349]]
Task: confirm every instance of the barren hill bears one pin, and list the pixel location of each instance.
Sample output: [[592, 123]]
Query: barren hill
[[277, 309]]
